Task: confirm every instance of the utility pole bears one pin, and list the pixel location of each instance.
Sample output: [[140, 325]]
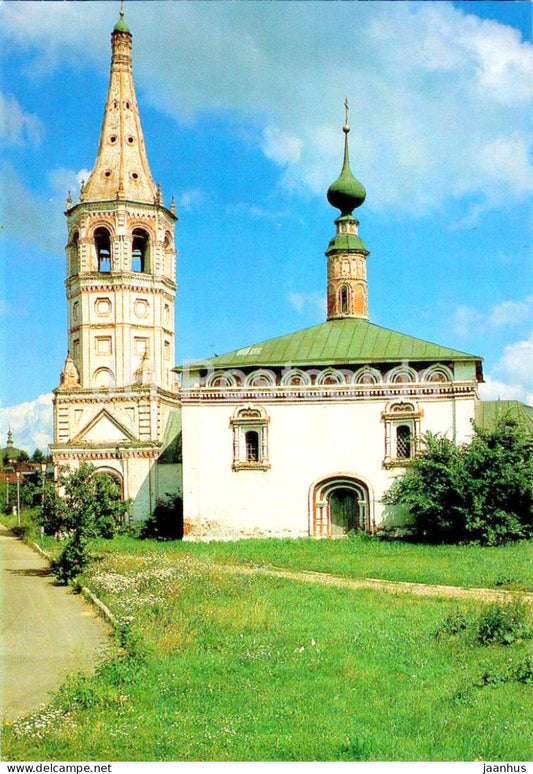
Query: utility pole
[[18, 498]]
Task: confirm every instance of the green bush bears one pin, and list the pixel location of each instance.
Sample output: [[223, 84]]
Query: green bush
[[166, 522], [503, 624], [480, 492]]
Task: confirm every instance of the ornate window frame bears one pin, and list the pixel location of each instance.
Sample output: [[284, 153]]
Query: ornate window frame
[[245, 419], [401, 413]]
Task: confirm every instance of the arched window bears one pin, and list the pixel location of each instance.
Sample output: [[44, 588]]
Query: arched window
[[102, 244], [403, 442], [250, 438], [140, 251], [402, 432], [252, 446], [344, 299]]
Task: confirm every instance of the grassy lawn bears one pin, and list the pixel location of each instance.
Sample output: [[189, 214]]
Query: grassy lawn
[[231, 667], [506, 567]]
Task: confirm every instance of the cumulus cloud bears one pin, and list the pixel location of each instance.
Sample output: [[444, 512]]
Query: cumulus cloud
[[31, 423], [16, 126], [512, 377], [512, 312], [467, 320], [441, 100], [63, 180]]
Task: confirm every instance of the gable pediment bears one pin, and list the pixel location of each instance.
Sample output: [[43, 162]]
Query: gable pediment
[[104, 428]]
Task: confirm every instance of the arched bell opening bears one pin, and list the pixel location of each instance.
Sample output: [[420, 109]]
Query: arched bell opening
[[140, 250]]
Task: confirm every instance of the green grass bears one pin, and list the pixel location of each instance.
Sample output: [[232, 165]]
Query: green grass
[[505, 567], [234, 667]]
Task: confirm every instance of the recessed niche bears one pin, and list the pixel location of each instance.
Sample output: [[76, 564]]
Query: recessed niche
[[141, 308], [102, 307]]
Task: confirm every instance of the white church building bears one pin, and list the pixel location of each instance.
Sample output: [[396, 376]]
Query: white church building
[[298, 435]]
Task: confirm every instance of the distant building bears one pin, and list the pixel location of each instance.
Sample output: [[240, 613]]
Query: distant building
[[297, 435], [13, 461]]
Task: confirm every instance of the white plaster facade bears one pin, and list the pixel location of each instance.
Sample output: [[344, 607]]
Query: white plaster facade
[[330, 433]]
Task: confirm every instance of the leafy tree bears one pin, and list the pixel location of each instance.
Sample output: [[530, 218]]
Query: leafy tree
[[90, 506], [478, 492], [498, 465], [23, 456], [38, 456]]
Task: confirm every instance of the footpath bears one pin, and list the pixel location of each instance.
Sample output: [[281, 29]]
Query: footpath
[[47, 631]]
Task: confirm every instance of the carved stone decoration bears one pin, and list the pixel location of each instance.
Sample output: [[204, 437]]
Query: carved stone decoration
[[70, 378]]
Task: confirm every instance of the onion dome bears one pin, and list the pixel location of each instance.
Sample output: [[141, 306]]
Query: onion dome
[[346, 193], [121, 25]]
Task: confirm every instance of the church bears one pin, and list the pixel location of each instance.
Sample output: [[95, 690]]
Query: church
[[299, 435]]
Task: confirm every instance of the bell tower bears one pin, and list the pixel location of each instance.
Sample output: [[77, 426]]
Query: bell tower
[[116, 391], [347, 253]]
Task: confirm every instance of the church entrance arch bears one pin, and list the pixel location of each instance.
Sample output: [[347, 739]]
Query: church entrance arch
[[339, 505]]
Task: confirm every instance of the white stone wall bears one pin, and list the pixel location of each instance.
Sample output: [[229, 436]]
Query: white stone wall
[[308, 442]]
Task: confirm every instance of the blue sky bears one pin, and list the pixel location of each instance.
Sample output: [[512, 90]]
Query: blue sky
[[242, 108]]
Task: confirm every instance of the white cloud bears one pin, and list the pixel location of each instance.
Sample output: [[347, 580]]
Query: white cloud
[[512, 377], [63, 180], [16, 126], [467, 320], [281, 148], [517, 363], [31, 423], [191, 199], [308, 301], [512, 312], [441, 100]]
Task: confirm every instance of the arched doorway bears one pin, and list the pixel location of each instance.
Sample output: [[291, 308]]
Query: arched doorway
[[339, 505]]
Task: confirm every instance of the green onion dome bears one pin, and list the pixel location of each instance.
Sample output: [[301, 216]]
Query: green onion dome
[[346, 193], [121, 25]]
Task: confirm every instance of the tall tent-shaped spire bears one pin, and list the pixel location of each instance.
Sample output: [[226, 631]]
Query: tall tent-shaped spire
[[347, 253], [121, 170]]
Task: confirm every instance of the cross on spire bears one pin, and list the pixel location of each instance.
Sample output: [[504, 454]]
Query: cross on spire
[[346, 108]]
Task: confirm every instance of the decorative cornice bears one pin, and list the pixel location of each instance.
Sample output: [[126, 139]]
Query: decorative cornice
[[114, 206], [313, 393]]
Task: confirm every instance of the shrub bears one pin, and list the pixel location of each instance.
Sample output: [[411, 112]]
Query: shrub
[[503, 624], [480, 492], [166, 522]]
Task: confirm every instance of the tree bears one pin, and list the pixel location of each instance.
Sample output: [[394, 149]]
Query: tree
[[478, 492], [89, 507], [38, 456]]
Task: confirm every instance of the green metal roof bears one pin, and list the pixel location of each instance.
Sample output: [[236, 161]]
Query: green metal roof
[[337, 342], [347, 242], [489, 411]]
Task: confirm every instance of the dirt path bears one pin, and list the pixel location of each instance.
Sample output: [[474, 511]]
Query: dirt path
[[46, 630], [391, 587]]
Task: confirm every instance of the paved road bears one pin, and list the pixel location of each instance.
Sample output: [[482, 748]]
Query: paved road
[[46, 630]]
